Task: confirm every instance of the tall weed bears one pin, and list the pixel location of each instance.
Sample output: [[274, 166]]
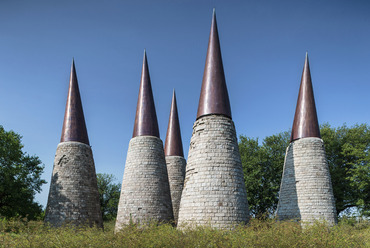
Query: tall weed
[[258, 233]]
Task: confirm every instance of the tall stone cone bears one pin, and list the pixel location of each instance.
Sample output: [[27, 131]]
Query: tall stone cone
[[145, 194], [73, 196], [175, 160], [214, 191], [306, 192]]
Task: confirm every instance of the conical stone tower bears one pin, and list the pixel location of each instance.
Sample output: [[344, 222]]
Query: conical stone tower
[[175, 160], [73, 196], [306, 192], [214, 192], [145, 194]]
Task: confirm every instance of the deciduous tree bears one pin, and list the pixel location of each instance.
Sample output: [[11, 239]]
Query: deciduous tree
[[109, 193], [20, 178], [347, 150], [263, 167]]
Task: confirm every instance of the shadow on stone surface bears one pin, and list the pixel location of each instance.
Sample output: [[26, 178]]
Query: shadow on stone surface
[[54, 214], [73, 197], [288, 208]]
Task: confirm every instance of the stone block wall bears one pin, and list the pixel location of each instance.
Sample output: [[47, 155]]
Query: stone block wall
[[214, 192], [176, 175], [145, 193], [73, 196], [306, 192]]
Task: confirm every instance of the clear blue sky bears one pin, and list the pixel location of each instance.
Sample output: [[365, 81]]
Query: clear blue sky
[[263, 46]]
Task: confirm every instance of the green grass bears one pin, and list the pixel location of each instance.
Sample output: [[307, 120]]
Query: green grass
[[268, 233]]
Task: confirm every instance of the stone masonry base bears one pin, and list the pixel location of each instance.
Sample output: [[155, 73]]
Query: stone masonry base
[[214, 192], [145, 194], [73, 196], [176, 175], [306, 192]]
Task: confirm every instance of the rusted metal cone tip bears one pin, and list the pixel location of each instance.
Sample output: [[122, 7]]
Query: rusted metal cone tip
[[146, 123], [305, 122], [173, 144], [214, 98], [74, 127]]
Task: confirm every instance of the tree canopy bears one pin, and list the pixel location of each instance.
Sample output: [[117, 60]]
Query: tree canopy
[[263, 167], [109, 194], [347, 150], [20, 178]]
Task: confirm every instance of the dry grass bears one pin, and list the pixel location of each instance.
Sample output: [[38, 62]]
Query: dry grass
[[268, 233]]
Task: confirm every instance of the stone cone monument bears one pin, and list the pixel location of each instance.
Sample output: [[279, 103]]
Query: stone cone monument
[[145, 194], [73, 196], [175, 160], [214, 192], [306, 192]]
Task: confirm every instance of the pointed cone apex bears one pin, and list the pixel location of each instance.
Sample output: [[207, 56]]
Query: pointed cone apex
[[214, 98], [74, 127], [173, 144], [305, 120], [146, 118]]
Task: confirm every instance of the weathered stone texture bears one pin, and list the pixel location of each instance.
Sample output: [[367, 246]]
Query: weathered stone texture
[[306, 192], [73, 195], [145, 193], [214, 192], [176, 175]]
